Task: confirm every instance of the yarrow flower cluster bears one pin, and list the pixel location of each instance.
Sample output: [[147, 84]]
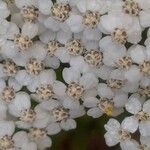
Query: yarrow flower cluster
[[101, 49]]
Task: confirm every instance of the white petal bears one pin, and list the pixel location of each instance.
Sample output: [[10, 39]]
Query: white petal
[[4, 11], [111, 140], [63, 37], [14, 83], [70, 103], [137, 53], [134, 32], [29, 146], [129, 144], [130, 124], [71, 75], [78, 112], [20, 103], [90, 102], [53, 129], [37, 51], [42, 118], [145, 140], [112, 125], [92, 34], [79, 64], [75, 23], [146, 107], [94, 112], [44, 143], [52, 24], [120, 99], [47, 77], [63, 55], [2, 84], [20, 138], [21, 4], [49, 105], [7, 128], [3, 110], [59, 88], [144, 128], [68, 124], [133, 106], [47, 36], [23, 125], [45, 6], [9, 49], [52, 62], [12, 31], [105, 91], [30, 29], [89, 81], [144, 18], [23, 77], [133, 74]]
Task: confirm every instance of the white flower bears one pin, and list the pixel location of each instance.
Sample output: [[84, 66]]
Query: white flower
[[8, 68], [102, 106], [21, 43], [9, 140], [134, 145], [112, 51], [95, 5], [40, 138], [79, 87], [60, 117], [4, 11], [36, 118], [134, 8], [121, 27], [86, 23], [116, 133], [19, 104], [60, 12], [45, 86], [141, 118], [21, 4]]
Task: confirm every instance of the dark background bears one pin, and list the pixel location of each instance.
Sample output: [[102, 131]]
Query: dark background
[[89, 135]]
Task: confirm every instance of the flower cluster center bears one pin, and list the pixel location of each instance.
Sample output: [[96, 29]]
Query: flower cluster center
[[107, 106], [52, 47], [23, 42], [45, 92], [75, 90], [93, 58], [75, 47], [115, 83], [124, 62], [6, 143], [34, 66], [28, 115], [91, 19], [60, 113], [10, 67], [120, 35], [37, 133], [131, 7], [145, 68], [8, 94], [30, 13], [61, 11]]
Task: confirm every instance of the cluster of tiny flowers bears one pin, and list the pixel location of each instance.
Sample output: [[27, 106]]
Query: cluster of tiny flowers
[[65, 59]]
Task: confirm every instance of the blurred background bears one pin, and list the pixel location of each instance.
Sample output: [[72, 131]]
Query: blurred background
[[89, 135]]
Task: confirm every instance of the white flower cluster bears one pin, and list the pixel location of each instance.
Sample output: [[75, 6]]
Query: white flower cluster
[[61, 60]]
